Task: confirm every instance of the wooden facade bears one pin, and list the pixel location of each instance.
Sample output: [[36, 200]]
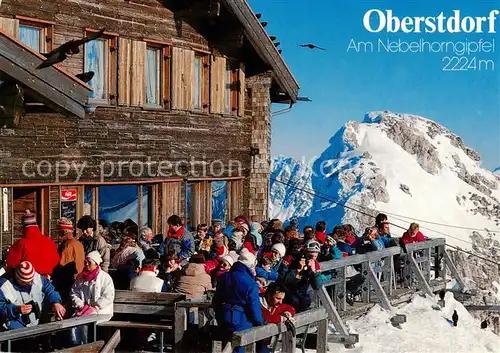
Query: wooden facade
[[217, 73]]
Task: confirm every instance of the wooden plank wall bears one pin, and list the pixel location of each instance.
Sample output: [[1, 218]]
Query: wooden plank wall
[[54, 209], [170, 202], [234, 198], [201, 203]]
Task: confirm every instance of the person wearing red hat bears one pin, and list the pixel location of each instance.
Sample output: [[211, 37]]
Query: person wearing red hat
[[23, 293], [38, 249], [71, 250], [72, 258]]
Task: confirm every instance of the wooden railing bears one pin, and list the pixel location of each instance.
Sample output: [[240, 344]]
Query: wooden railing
[[420, 260], [418, 263], [45, 329], [249, 338]]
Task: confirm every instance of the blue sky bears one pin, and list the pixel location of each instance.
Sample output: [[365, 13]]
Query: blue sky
[[344, 85]]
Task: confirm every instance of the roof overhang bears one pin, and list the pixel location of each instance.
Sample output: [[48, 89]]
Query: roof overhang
[[264, 46], [57, 88]]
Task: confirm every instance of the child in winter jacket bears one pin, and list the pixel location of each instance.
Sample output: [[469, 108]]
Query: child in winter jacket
[[265, 271]]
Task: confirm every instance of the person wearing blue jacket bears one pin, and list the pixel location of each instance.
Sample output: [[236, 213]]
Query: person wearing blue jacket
[[265, 271], [23, 293], [236, 300], [179, 240]]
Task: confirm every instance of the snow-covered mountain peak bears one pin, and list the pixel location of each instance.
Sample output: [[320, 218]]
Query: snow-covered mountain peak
[[402, 164]]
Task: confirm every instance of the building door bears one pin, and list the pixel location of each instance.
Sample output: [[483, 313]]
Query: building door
[[34, 199]]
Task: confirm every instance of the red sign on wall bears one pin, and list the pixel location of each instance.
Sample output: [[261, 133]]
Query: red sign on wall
[[68, 195]]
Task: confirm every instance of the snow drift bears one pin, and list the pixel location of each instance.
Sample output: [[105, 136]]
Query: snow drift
[[426, 330]]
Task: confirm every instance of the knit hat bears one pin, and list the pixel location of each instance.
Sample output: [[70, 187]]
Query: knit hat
[[234, 255], [216, 222], [245, 226], [145, 231], [65, 224], [197, 259], [229, 259], [280, 248], [94, 256], [313, 246], [28, 219], [237, 234], [331, 240], [25, 272], [247, 258]]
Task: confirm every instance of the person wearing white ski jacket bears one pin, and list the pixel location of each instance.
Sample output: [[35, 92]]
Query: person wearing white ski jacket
[[93, 291]]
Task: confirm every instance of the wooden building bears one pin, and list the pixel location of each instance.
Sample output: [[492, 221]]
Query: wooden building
[[180, 101]]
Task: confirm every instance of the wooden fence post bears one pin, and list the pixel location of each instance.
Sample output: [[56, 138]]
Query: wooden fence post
[[454, 270], [289, 342], [422, 282], [381, 296], [333, 315], [322, 337]]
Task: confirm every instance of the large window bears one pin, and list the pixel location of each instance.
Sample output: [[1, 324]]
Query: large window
[[120, 202], [96, 60], [153, 77]]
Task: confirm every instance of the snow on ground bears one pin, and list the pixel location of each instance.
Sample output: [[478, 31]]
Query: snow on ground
[[426, 330]]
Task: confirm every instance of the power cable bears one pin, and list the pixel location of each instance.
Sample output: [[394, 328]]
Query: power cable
[[396, 225], [422, 220]]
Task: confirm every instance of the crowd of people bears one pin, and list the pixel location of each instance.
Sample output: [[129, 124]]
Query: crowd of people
[[259, 272]]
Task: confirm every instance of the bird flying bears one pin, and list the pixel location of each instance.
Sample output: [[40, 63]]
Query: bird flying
[[311, 46], [86, 76], [69, 48]]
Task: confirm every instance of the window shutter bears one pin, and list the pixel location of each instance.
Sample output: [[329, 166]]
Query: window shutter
[[213, 85], [188, 79], [10, 26], [177, 74], [137, 74], [124, 60], [241, 90], [166, 77], [182, 78], [217, 84]]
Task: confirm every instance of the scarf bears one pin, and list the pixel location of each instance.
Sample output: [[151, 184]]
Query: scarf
[[176, 235], [88, 276]]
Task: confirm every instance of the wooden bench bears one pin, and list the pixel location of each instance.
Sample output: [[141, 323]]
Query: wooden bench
[[50, 328], [148, 311]]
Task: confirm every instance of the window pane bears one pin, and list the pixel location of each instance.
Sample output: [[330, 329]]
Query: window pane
[[197, 83], [146, 205], [227, 91], [31, 36], [153, 76], [219, 200], [118, 203], [87, 202], [95, 60]]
